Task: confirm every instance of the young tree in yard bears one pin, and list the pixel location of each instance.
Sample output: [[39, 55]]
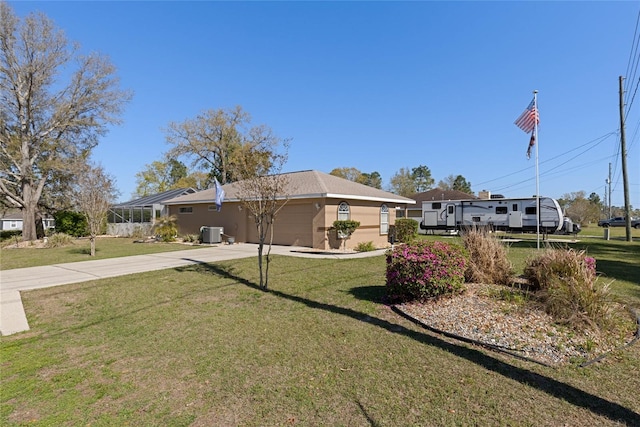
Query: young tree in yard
[[48, 126], [263, 191], [218, 140], [94, 193]]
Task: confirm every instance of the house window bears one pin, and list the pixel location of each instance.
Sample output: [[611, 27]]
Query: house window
[[530, 210], [343, 211], [384, 219], [501, 210], [186, 210], [212, 208], [13, 224]]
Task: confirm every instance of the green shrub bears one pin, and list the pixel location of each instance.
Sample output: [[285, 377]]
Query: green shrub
[[346, 226], [71, 223], [424, 269], [58, 240], [166, 228], [365, 247], [488, 261], [406, 230], [569, 288]]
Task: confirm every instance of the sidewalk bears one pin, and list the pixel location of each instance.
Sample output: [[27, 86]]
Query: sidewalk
[[13, 318]]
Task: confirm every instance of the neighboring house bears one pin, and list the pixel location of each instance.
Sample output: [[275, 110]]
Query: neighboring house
[[13, 222], [415, 211], [125, 219], [315, 201]]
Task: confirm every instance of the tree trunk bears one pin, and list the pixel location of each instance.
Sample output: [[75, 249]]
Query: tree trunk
[[92, 239], [28, 214]]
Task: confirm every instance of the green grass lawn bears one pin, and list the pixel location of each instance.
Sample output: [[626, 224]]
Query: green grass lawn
[[201, 345], [106, 247]]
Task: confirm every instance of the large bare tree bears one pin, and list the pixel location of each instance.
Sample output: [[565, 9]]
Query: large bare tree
[[264, 191], [54, 105], [95, 192], [218, 140]]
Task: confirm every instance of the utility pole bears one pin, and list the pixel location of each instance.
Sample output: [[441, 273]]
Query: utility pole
[[623, 147], [609, 182]]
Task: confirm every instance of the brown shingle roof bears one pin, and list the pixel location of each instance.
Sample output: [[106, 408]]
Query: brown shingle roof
[[304, 185], [439, 194]]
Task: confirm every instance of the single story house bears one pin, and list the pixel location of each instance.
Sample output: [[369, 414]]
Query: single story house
[[314, 200], [12, 221]]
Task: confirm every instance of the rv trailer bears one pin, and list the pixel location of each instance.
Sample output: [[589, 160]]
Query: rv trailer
[[516, 215]]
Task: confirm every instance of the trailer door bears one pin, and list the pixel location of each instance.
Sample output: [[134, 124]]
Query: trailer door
[[451, 215]]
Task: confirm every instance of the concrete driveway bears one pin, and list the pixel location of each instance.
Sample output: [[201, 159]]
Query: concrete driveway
[[13, 318]]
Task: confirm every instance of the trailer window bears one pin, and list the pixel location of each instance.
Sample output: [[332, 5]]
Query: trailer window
[[475, 219], [501, 209], [436, 205], [514, 207], [450, 210], [530, 210]]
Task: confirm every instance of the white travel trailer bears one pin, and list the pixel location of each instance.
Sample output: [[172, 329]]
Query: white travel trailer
[[517, 215]]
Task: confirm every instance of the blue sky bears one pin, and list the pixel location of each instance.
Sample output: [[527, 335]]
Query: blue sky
[[379, 85]]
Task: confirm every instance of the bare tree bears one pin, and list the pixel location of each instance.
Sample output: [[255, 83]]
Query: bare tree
[[95, 192], [263, 191], [47, 127], [219, 140]]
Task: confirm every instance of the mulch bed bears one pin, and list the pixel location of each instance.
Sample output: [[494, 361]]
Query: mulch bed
[[479, 316]]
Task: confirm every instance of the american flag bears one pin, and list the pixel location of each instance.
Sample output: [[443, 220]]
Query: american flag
[[529, 118]]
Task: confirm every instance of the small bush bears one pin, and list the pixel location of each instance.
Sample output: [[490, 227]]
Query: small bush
[[424, 269], [365, 247], [406, 230], [191, 238], [488, 261], [9, 234], [166, 228], [569, 289], [58, 240], [138, 233]]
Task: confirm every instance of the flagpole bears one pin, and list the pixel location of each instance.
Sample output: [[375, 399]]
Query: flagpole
[[535, 132]]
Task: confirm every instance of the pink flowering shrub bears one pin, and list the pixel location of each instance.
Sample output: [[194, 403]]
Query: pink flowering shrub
[[424, 269]]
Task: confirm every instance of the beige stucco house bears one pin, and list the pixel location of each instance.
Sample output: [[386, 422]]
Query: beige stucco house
[[314, 200]]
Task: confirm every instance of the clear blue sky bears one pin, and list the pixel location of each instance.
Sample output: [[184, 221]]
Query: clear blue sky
[[379, 85]]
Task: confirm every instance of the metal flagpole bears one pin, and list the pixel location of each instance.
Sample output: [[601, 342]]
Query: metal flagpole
[[537, 142]]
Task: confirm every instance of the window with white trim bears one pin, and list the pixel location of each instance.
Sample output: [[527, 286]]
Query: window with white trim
[[186, 210], [344, 212], [384, 219]]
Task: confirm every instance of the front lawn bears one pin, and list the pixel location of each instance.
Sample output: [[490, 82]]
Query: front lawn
[[201, 346]]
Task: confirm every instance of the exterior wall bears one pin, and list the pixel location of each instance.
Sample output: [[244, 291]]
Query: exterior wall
[[368, 214], [304, 223], [230, 218]]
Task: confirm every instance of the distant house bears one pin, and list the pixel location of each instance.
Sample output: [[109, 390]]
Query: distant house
[[415, 211], [315, 201], [12, 221], [140, 215]]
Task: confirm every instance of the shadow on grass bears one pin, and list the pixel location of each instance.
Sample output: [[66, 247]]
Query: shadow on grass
[[543, 383]]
